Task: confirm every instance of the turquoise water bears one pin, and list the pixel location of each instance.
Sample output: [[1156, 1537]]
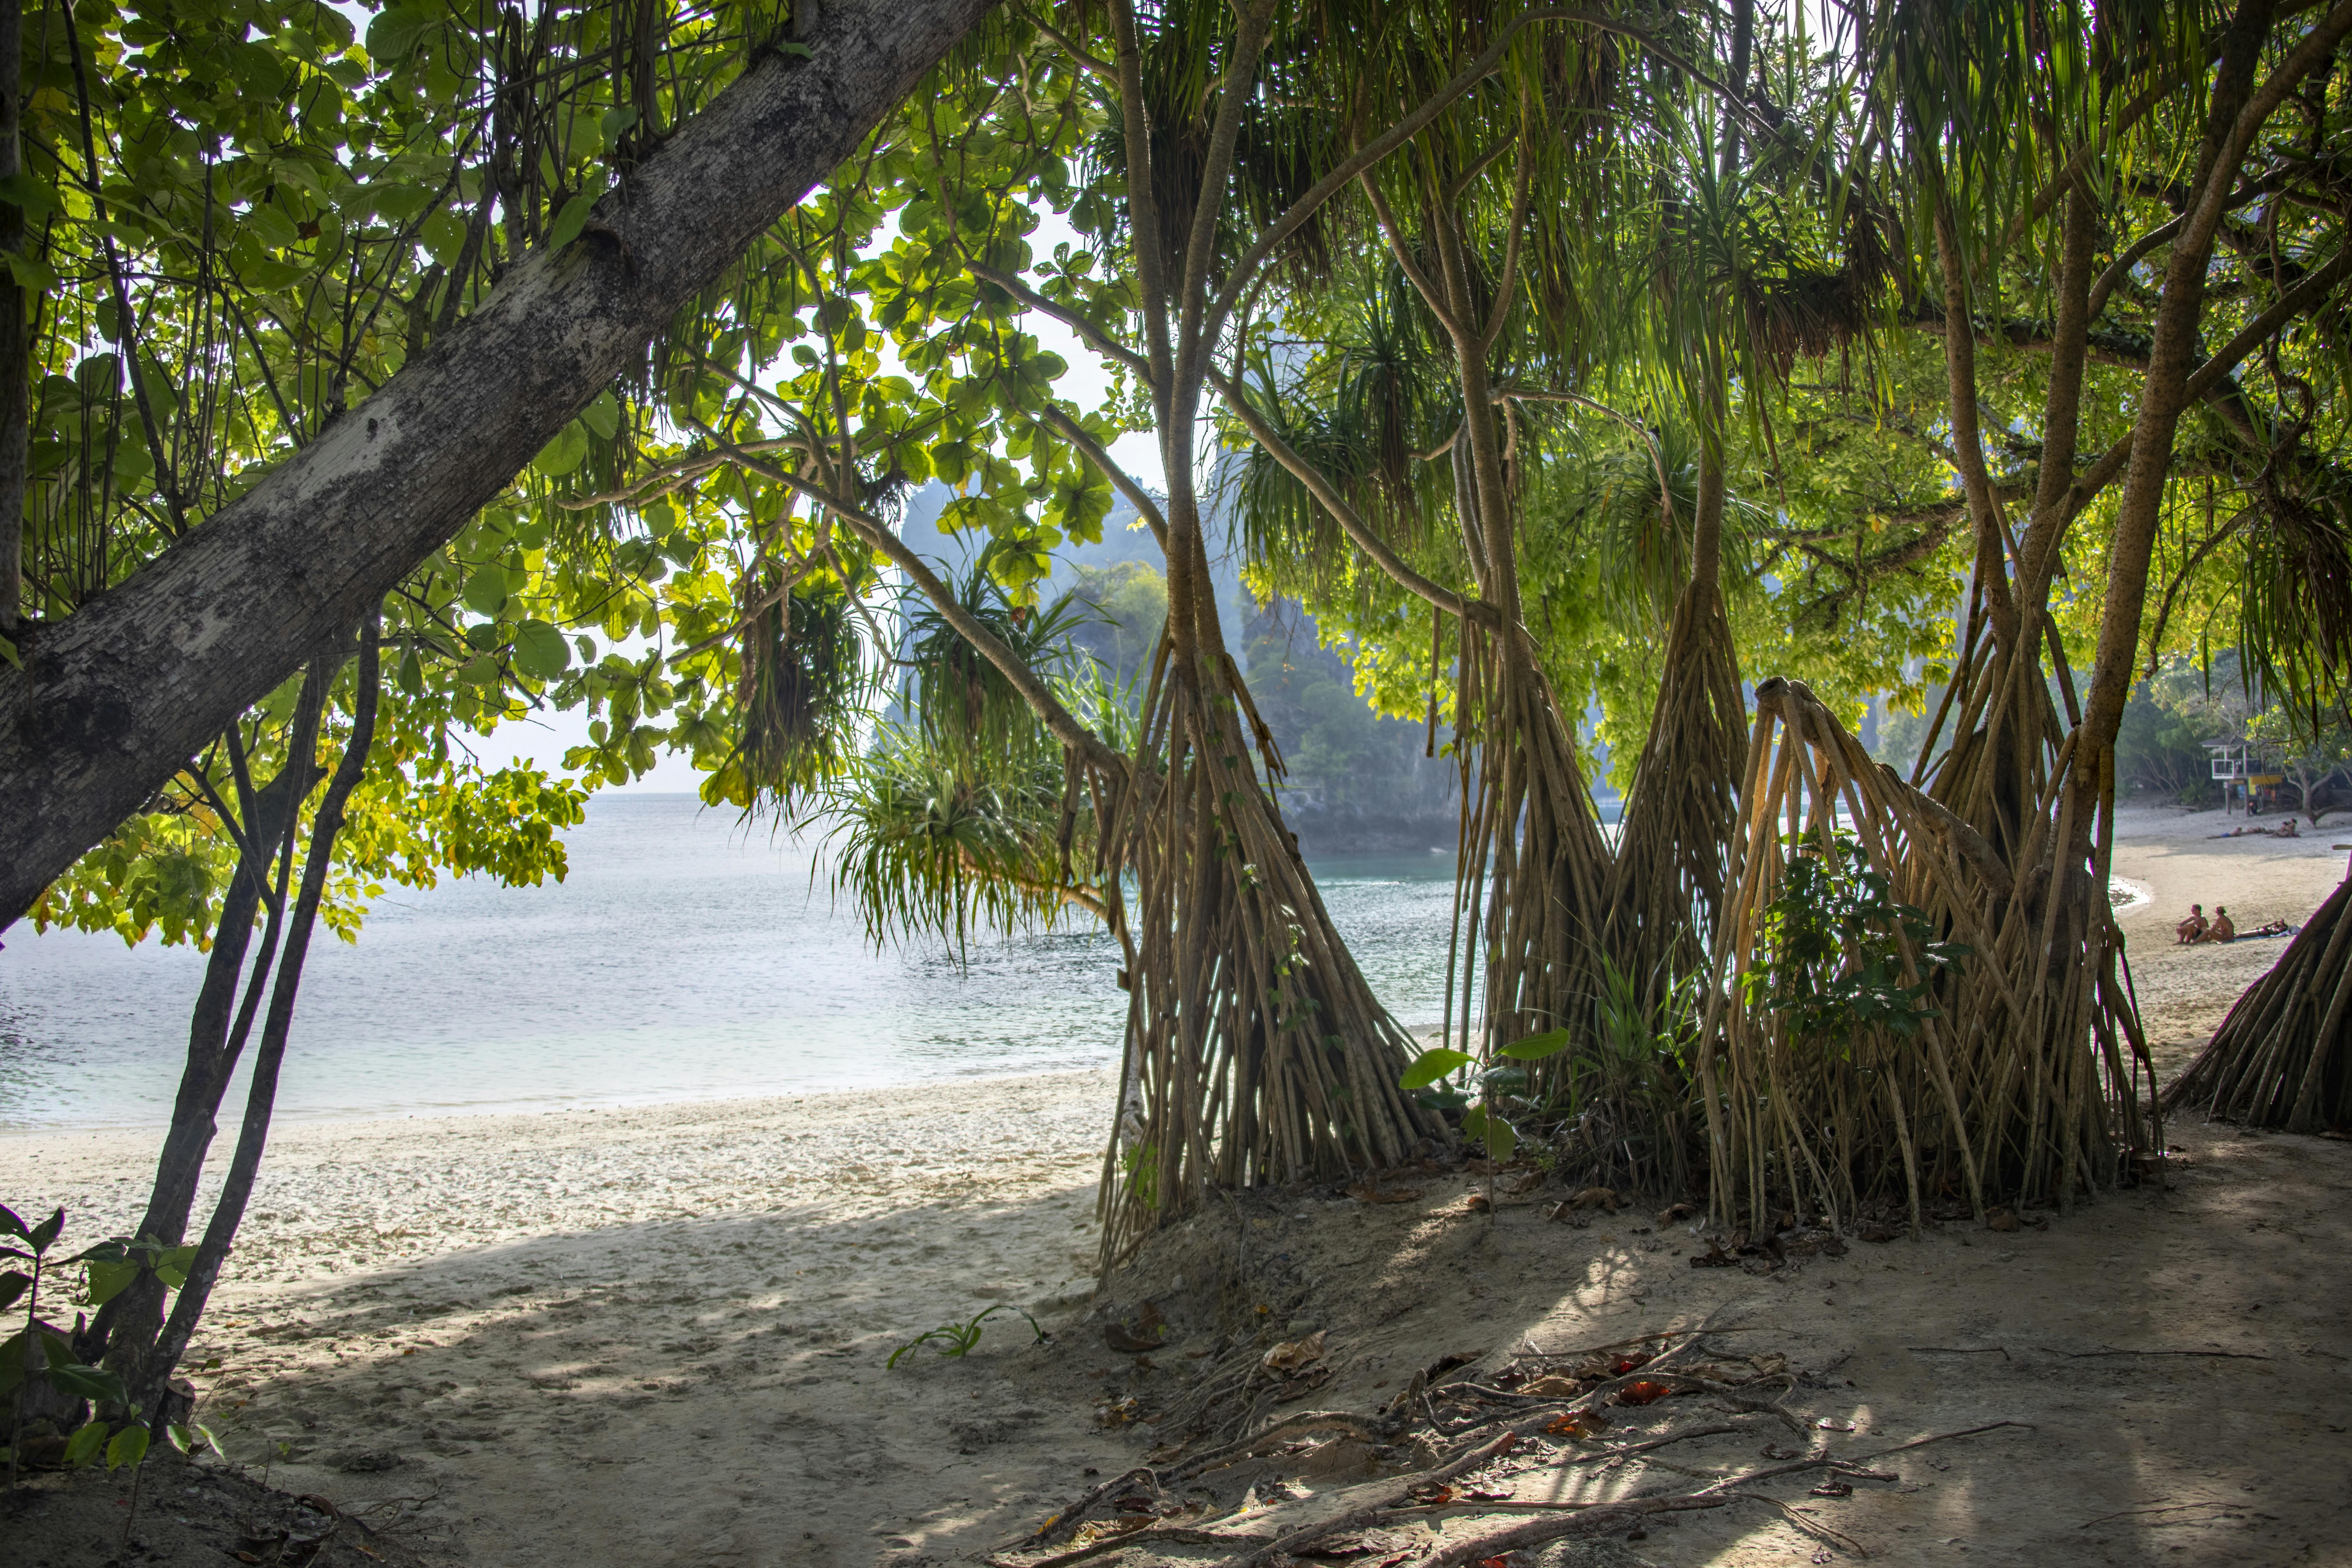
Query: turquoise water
[[685, 958]]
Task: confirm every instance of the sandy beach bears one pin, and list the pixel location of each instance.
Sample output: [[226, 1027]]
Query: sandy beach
[[657, 1335]]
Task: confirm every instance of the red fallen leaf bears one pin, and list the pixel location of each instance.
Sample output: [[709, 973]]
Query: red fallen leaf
[[1437, 1497], [1494, 1563], [1642, 1393], [1631, 1363]]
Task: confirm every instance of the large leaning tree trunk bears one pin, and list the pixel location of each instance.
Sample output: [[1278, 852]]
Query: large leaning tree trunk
[[112, 702]]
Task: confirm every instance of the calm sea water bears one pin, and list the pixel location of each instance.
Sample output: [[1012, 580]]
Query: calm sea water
[[684, 958]]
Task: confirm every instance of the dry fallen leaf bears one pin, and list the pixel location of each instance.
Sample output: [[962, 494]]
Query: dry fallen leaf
[[1366, 1192], [1596, 1198], [1554, 1386], [1292, 1354], [2002, 1219]]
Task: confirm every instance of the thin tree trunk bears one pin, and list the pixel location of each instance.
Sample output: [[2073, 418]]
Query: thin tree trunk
[[218, 1027], [16, 379], [147, 1387], [115, 699]]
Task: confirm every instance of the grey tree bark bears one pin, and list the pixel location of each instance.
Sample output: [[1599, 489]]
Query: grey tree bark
[[112, 703]]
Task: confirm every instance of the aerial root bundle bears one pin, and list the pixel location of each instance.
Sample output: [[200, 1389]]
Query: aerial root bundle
[[1256, 1055], [1485, 1439], [2283, 1058], [1990, 1064], [1534, 870], [1667, 881]]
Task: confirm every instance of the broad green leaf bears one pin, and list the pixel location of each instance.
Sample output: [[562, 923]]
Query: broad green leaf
[[1432, 1064], [563, 454], [444, 237], [486, 591], [1536, 1048], [130, 1447], [9, 1224], [88, 1383], [571, 220], [179, 1437], [12, 1285], [173, 1265], [84, 1445], [541, 650], [44, 1233], [108, 1280], [1501, 1139], [33, 195], [393, 35], [272, 227], [604, 416]]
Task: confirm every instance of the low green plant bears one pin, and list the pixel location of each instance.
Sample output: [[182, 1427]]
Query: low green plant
[[960, 1337], [1835, 942], [37, 1356]]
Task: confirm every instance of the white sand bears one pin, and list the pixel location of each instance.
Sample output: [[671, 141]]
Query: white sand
[[656, 1335]]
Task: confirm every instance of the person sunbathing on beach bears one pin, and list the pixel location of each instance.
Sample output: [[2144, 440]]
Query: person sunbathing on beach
[[2192, 928], [2221, 930], [2274, 928]]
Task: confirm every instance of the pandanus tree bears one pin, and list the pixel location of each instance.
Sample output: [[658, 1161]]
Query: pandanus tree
[[2014, 141]]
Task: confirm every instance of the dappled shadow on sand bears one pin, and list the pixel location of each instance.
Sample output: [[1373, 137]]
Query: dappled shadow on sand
[[2173, 1364], [713, 1391], [707, 1391]]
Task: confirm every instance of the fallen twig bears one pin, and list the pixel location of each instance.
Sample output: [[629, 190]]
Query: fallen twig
[[1956, 1349], [2215, 1356], [1805, 1524]]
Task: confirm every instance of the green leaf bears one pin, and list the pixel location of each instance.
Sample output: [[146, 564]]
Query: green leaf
[[541, 650], [12, 1285], [171, 1265], [444, 237], [84, 1445], [571, 220], [485, 592], [1432, 1064], [604, 416], [563, 454], [9, 652], [1501, 1139], [108, 1280], [180, 1438], [42, 1234], [393, 35], [34, 196], [1536, 1048], [1473, 1121], [130, 1447], [9, 1224], [89, 1382]]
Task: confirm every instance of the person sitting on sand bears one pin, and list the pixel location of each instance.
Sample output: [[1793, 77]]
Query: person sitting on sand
[[2221, 930], [2192, 928], [2287, 829]]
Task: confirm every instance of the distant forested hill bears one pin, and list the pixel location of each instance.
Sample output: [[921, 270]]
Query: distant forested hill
[[1359, 783]]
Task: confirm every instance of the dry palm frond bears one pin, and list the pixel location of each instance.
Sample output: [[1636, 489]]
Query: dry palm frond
[[2008, 1078], [2284, 1056]]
